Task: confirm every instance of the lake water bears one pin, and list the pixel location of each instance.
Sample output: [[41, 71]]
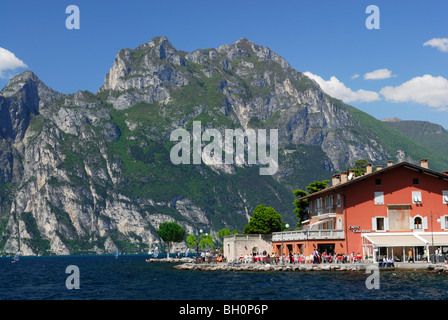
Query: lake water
[[131, 278]]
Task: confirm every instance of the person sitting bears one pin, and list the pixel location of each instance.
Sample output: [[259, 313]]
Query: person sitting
[[391, 263], [384, 264]]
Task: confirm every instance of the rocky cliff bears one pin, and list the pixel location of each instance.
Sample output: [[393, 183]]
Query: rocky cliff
[[89, 173]]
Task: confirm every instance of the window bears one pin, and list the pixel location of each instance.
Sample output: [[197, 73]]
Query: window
[[415, 181], [379, 197], [380, 224], [338, 200], [445, 196], [318, 204], [377, 182], [417, 197], [418, 223], [328, 201]]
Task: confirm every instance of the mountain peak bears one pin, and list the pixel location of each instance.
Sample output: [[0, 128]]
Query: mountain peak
[[244, 40], [18, 82], [393, 119]]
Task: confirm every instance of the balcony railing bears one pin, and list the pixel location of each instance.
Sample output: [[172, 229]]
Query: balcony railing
[[331, 234]]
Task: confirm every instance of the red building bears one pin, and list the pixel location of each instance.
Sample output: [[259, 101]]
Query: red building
[[385, 212]]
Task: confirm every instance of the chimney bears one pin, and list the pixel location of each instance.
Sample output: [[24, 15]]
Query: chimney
[[368, 168], [378, 168], [424, 163], [351, 174], [389, 163], [335, 179], [343, 176]]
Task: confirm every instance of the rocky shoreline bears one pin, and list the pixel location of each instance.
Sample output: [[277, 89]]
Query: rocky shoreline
[[255, 267]]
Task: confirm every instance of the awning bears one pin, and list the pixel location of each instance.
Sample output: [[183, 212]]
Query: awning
[[439, 239], [314, 226], [396, 240]]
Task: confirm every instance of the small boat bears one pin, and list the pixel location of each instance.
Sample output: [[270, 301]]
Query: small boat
[[16, 257], [154, 253]]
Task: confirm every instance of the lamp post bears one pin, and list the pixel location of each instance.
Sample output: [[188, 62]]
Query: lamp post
[[197, 246], [286, 226], [432, 237]]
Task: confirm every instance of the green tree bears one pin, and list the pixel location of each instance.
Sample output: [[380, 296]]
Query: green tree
[[264, 220], [170, 232], [202, 240], [302, 204], [225, 232], [360, 167]]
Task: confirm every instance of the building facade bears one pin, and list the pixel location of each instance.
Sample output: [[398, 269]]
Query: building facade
[[385, 212], [237, 246]]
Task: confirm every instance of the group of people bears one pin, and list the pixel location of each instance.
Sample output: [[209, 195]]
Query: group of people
[[210, 257], [436, 257], [294, 258], [386, 262], [337, 258]]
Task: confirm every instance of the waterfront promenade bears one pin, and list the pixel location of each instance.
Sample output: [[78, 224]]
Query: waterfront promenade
[[189, 264]]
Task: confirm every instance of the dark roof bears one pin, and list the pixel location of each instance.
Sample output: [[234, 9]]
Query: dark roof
[[402, 164]]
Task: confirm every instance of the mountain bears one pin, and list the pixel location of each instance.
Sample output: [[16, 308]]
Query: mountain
[[430, 135], [91, 172]]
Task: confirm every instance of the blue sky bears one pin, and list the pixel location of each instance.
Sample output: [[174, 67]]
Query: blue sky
[[327, 39]]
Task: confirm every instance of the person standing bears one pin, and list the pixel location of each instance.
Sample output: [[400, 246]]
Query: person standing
[[411, 256]]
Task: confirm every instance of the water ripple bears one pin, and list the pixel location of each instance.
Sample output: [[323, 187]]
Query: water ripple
[[131, 278]]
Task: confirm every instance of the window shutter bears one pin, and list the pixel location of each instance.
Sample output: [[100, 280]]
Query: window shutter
[[386, 224], [445, 196], [411, 223], [379, 198], [339, 224], [374, 224], [425, 223], [442, 222], [417, 197]]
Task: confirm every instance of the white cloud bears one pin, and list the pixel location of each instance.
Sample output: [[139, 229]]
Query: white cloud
[[378, 74], [9, 62], [355, 76], [337, 89], [428, 90], [439, 43]]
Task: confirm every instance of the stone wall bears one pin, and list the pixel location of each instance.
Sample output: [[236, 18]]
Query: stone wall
[[242, 245]]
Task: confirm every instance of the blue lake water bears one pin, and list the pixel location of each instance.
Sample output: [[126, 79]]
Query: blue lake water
[[131, 278]]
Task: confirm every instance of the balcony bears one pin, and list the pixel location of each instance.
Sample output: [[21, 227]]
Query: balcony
[[331, 234]]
